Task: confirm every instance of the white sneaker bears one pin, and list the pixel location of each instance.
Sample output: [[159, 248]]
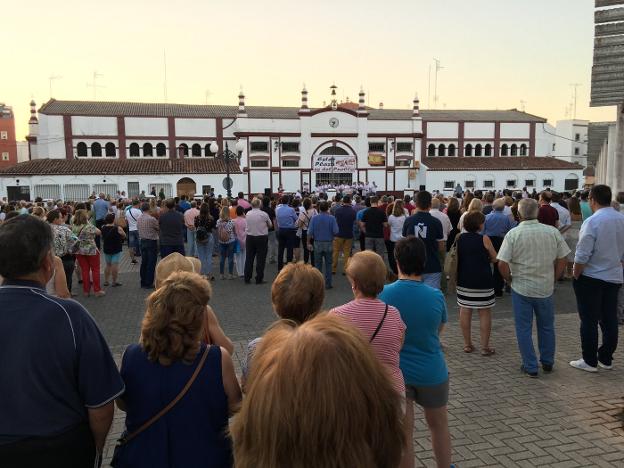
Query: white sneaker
[[582, 365], [604, 366]]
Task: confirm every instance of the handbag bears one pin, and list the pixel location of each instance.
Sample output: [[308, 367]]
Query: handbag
[[379, 326], [450, 266], [124, 439], [75, 248]]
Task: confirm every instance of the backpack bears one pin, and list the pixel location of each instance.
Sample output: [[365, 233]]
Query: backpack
[[224, 235], [201, 234]]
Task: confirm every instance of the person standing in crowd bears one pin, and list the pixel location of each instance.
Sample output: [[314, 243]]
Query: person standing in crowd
[[586, 210], [343, 242], [161, 194], [447, 227], [372, 225], [475, 283], [101, 208], [547, 214], [597, 280], [303, 222], [242, 202], [565, 220], [358, 221], [474, 206], [429, 229], [488, 200], [148, 229], [286, 217], [533, 254], [189, 222], [132, 216], [204, 227], [572, 237], [171, 224], [226, 236], [423, 310], [194, 432], [58, 376], [258, 225], [380, 323], [453, 212], [88, 255], [321, 232], [497, 225], [184, 204], [63, 242], [113, 237], [272, 236], [396, 220], [329, 359], [240, 228]]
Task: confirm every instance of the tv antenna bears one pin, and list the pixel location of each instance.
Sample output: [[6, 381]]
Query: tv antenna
[[94, 84], [523, 105], [51, 79], [574, 97], [438, 67]]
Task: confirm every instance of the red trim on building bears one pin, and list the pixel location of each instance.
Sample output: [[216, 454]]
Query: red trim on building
[[423, 143], [219, 125], [497, 139], [67, 131], [460, 140], [121, 132], [173, 150], [532, 140]]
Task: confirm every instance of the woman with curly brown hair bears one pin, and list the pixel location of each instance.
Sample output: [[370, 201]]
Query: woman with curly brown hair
[[318, 397], [169, 358]]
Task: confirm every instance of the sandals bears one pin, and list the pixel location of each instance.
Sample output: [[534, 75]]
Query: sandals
[[488, 351], [469, 348]]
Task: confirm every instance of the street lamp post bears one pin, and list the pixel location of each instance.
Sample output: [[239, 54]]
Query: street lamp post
[[227, 155]]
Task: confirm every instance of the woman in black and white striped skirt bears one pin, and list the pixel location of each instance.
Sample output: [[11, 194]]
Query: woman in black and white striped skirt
[[475, 282]]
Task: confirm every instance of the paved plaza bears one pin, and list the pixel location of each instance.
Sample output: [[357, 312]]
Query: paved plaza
[[497, 416]]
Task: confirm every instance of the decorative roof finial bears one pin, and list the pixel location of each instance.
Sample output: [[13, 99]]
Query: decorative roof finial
[[334, 102], [241, 104], [416, 107]]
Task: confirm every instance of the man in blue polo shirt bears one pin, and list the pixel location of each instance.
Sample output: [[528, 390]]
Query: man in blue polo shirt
[[58, 379], [322, 230], [100, 208], [285, 219]]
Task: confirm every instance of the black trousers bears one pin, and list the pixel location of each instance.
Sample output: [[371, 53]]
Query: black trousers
[[72, 449], [69, 265], [308, 255], [391, 260], [596, 301], [256, 249], [98, 224], [499, 282], [286, 239]]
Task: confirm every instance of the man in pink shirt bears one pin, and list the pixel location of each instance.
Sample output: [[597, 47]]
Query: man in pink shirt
[[242, 202], [189, 221]]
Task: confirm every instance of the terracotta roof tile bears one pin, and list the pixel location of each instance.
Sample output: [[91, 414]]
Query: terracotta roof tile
[[497, 164], [120, 167], [142, 109]]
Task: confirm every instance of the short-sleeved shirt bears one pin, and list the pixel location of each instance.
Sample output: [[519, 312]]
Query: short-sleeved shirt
[[366, 315], [86, 238], [531, 249], [55, 363], [345, 217], [423, 310], [132, 216], [548, 215], [100, 206], [429, 230], [171, 228], [373, 220]]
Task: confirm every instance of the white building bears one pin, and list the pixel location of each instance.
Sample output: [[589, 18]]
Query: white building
[[571, 141], [78, 147]]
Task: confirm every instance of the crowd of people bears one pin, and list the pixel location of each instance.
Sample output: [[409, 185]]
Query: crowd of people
[[321, 387]]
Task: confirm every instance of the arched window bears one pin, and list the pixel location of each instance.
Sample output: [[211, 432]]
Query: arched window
[[134, 149], [479, 150], [110, 150], [523, 150], [468, 151], [488, 150], [207, 151], [96, 150], [161, 149], [81, 149], [148, 149], [441, 150], [334, 151], [451, 150], [183, 150], [514, 150], [196, 150], [504, 150], [431, 150]]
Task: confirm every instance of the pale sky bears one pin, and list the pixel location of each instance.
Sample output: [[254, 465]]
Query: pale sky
[[495, 53]]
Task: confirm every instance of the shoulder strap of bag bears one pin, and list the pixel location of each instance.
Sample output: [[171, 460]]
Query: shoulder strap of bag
[[166, 409], [380, 324]]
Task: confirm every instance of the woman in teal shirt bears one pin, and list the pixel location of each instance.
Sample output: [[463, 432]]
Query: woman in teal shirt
[[423, 310]]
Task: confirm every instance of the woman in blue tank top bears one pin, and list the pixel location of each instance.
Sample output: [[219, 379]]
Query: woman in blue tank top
[[194, 432]]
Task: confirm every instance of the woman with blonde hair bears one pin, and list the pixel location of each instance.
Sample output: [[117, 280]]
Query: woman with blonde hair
[[226, 236], [475, 205], [39, 212], [301, 409], [171, 365], [468, 197], [88, 255]]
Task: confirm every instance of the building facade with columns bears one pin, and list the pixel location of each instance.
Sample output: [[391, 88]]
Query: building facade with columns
[[77, 147]]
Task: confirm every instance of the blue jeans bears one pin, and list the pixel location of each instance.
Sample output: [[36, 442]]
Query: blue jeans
[[544, 309], [133, 242], [432, 279], [226, 250], [323, 255], [204, 251], [149, 256], [191, 245]]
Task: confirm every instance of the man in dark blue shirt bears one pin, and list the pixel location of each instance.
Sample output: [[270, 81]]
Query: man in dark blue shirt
[[345, 217], [321, 231], [429, 229], [58, 378]]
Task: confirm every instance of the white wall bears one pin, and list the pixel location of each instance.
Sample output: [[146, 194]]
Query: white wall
[[145, 126], [442, 130], [22, 151], [94, 125], [479, 130], [260, 179], [515, 130], [51, 140], [291, 181], [195, 127]]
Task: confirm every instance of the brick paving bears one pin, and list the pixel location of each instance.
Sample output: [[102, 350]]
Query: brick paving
[[497, 416]]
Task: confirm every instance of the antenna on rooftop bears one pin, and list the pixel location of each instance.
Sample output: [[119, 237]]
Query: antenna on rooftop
[[574, 96], [523, 105], [207, 95], [51, 79], [438, 67], [94, 84]]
